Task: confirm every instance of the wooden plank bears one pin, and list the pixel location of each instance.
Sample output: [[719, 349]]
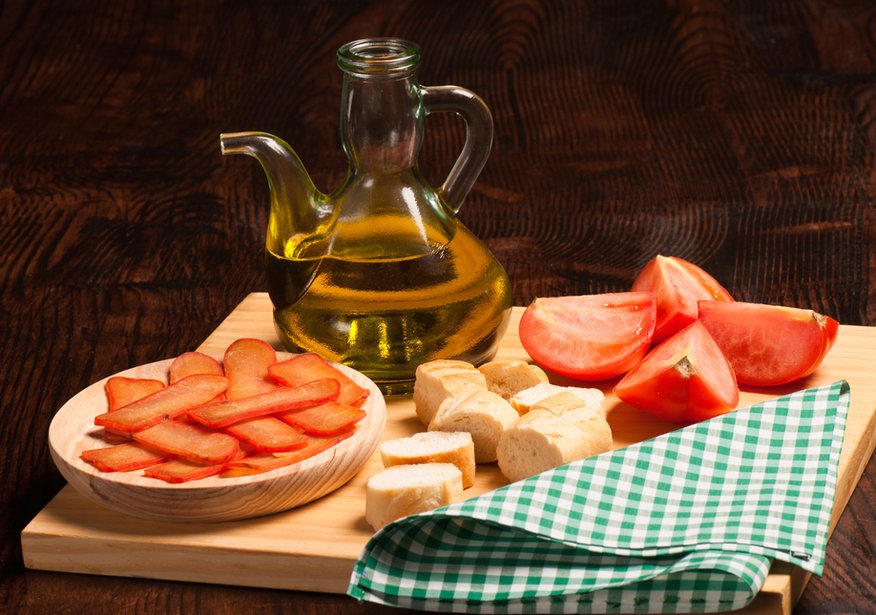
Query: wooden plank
[[313, 547]]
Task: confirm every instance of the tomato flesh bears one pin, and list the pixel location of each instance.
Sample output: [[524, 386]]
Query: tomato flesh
[[684, 379], [678, 286], [769, 345], [589, 337]]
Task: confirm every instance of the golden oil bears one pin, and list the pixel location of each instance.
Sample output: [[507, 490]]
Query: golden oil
[[385, 316]]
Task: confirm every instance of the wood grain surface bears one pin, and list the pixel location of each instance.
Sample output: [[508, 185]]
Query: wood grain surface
[[740, 135]]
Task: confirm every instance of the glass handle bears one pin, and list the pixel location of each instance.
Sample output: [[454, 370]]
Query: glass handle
[[478, 138]]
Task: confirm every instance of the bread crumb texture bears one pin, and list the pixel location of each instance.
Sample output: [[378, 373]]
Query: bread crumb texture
[[433, 447], [483, 414], [404, 490], [508, 377]]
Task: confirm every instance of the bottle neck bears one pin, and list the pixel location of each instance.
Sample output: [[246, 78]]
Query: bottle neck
[[381, 123], [382, 112]]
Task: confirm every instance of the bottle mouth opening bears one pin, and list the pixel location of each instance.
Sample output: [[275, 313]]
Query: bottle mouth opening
[[379, 56]]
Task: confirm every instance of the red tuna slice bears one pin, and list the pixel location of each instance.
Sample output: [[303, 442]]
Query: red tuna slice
[[309, 366], [267, 434], [182, 471], [121, 390], [192, 363], [246, 363], [223, 414], [255, 464], [124, 457], [326, 419], [190, 442], [167, 403]]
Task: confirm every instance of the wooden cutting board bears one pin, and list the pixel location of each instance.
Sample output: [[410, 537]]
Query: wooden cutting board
[[314, 547]]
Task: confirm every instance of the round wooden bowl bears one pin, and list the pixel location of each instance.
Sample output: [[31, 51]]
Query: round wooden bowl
[[210, 499]]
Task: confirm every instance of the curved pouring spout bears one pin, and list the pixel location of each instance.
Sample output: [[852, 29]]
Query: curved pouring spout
[[298, 210]]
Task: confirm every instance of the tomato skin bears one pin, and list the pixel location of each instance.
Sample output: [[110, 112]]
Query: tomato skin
[[589, 337], [678, 286], [769, 345], [830, 329], [684, 379]]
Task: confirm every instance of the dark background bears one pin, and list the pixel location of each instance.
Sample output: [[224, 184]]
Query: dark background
[[737, 134]]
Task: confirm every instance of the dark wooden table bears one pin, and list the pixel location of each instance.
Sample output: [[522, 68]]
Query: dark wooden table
[[740, 135]]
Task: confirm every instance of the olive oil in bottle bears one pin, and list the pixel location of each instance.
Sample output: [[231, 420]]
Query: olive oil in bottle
[[384, 317]]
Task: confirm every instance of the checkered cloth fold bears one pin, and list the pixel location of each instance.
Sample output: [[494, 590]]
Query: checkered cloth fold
[[686, 522]]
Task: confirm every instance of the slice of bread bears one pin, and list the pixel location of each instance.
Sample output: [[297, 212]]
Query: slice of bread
[[541, 440], [441, 379], [404, 490], [483, 414], [454, 447], [524, 400], [508, 377], [590, 421]]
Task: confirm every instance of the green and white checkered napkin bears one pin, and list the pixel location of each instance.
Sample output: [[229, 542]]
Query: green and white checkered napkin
[[686, 522]]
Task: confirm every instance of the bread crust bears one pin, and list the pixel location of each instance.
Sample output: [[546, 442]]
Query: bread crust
[[404, 490], [433, 447], [551, 435], [441, 379], [524, 400], [483, 414], [508, 376]]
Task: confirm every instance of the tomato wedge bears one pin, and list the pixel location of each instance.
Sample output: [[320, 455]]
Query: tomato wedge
[[589, 337], [684, 379], [769, 345], [678, 286]]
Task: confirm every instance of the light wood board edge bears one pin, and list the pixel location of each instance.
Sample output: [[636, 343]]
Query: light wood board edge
[[59, 531]]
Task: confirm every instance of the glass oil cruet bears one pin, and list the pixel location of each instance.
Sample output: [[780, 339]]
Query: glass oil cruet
[[380, 275]]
